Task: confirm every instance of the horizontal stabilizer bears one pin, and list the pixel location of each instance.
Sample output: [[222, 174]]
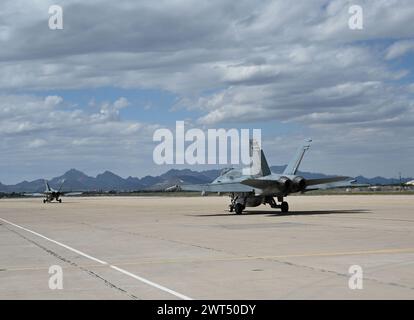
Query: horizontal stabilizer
[[261, 184]]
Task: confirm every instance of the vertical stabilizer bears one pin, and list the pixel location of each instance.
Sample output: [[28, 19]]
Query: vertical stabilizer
[[47, 186], [259, 164], [265, 167], [60, 188], [294, 164]]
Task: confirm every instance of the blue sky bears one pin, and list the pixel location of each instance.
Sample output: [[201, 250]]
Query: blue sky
[[90, 96]]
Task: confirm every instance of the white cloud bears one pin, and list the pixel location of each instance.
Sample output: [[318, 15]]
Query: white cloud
[[399, 49], [233, 62], [53, 138], [36, 143]]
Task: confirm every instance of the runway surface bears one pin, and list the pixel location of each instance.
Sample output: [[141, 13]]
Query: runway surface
[[192, 248]]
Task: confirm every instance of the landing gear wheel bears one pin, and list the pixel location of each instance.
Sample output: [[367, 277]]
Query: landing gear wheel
[[44, 201], [231, 208], [284, 207], [60, 200], [238, 208]]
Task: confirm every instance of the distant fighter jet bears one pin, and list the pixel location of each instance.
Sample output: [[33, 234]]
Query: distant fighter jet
[[51, 194], [254, 190]]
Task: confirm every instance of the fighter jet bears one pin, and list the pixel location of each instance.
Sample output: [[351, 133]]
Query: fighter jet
[[51, 194], [262, 186]]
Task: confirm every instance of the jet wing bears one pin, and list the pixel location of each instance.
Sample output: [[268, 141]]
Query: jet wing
[[216, 187], [33, 194], [71, 194], [313, 182], [332, 185], [274, 186]]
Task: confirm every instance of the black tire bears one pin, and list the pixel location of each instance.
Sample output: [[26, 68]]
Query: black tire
[[60, 200], [231, 208], [238, 208], [44, 201], [284, 207]]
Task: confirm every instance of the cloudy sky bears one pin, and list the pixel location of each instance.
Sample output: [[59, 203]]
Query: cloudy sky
[[91, 95]]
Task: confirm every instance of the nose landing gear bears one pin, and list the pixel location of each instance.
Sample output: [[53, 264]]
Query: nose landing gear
[[237, 204]]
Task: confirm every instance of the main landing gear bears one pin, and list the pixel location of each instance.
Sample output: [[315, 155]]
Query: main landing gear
[[47, 200], [239, 202], [283, 206], [237, 208]]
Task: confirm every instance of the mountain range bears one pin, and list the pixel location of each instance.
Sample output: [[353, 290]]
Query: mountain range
[[76, 180]]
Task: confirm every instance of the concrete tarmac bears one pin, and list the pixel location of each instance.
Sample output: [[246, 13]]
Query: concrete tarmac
[[192, 248]]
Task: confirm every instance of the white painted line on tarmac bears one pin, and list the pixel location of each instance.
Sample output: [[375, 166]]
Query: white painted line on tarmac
[[146, 281], [153, 284], [56, 242]]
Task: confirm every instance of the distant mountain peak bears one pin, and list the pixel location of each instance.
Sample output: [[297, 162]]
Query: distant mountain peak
[[107, 174], [76, 180], [74, 173]]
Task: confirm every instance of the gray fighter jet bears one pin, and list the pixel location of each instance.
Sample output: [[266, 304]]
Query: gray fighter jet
[[262, 186], [51, 194]]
